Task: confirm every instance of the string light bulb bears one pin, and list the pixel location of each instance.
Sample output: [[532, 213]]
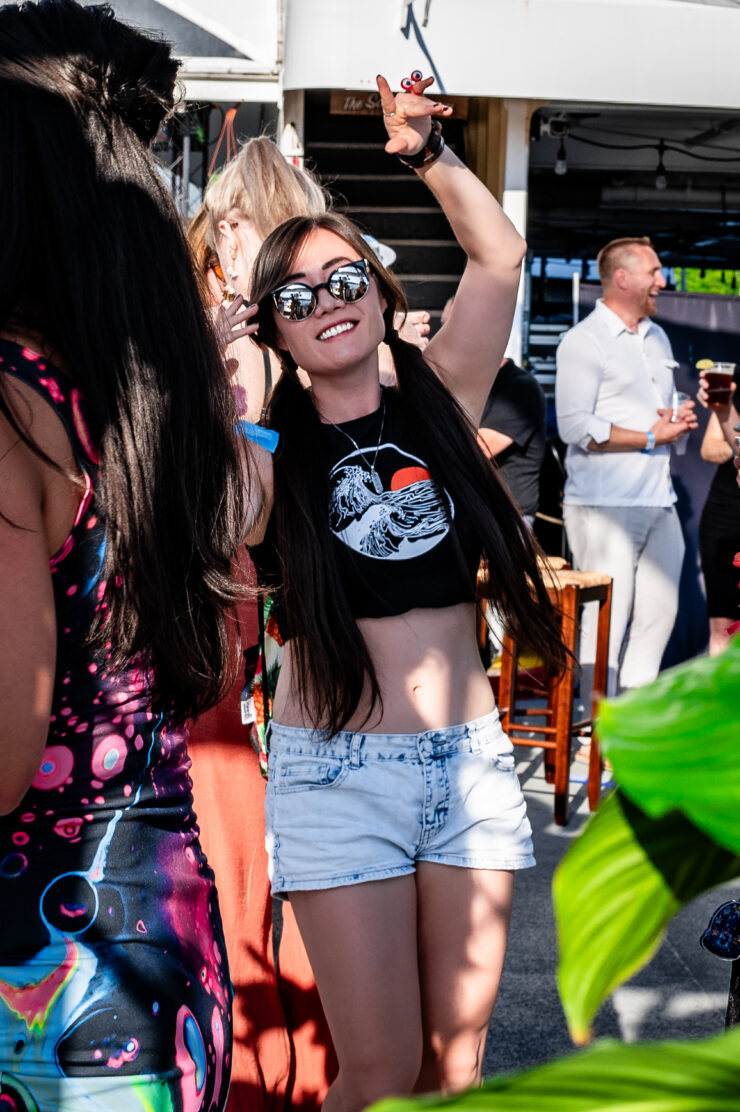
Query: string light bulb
[[661, 181], [561, 162]]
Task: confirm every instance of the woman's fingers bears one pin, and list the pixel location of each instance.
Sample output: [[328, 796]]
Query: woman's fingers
[[387, 99], [234, 320], [405, 116], [422, 85], [420, 319]]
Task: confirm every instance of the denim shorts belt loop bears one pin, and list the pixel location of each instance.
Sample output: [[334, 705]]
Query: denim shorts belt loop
[[356, 807]]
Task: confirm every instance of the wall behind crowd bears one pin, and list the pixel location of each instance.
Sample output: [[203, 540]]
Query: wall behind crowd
[[699, 326]]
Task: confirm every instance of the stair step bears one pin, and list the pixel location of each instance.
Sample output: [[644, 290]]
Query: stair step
[[431, 293], [422, 223], [387, 199], [370, 159], [393, 193]]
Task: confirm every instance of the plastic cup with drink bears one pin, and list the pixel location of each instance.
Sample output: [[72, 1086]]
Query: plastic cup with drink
[[677, 400], [718, 380]]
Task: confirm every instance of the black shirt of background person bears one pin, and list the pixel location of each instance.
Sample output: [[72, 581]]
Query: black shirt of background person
[[516, 408]]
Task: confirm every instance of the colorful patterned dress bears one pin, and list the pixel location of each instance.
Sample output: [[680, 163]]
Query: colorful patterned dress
[[114, 986]]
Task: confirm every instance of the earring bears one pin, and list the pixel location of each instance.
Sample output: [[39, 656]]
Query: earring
[[231, 274]]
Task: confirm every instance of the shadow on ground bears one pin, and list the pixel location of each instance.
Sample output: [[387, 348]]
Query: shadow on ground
[[682, 993]]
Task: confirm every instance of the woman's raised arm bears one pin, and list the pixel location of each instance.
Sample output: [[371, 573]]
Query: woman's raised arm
[[467, 351]]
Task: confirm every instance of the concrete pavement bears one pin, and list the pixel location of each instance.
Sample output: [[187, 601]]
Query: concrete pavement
[[682, 993]]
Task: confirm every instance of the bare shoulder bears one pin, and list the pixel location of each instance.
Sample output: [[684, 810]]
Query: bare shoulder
[[50, 483]]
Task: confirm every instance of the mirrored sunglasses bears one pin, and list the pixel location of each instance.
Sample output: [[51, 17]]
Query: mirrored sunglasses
[[349, 283]]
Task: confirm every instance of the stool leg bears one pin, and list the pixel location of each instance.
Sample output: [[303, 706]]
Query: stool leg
[[507, 682], [564, 706], [601, 674], [549, 754]]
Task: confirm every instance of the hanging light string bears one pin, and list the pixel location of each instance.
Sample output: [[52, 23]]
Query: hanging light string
[[650, 147]]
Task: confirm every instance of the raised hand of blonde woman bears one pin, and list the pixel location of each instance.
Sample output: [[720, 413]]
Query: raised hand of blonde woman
[[407, 116], [233, 319]]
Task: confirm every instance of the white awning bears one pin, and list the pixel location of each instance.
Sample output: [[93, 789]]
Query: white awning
[[661, 52], [248, 71], [249, 26], [229, 80], [230, 51]]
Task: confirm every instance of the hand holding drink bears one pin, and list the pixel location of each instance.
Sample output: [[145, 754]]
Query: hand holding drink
[[716, 387]]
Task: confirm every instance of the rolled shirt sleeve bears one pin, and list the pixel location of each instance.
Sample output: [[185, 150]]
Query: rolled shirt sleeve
[[579, 375]]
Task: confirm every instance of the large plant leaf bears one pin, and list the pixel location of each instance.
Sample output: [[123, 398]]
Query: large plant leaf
[[674, 744], [701, 1076], [615, 891]]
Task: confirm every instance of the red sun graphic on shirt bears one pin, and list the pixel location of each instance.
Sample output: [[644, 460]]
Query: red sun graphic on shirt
[[405, 476]]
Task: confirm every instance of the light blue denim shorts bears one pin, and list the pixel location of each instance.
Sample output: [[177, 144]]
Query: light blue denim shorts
[[355, 807]]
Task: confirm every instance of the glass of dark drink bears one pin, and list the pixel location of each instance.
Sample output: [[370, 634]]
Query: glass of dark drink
[[718, 381]]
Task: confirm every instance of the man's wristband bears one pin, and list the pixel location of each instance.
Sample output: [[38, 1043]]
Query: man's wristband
[[650, 442]]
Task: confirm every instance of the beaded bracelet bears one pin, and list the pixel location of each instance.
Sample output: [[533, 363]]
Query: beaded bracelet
[[435, 144]]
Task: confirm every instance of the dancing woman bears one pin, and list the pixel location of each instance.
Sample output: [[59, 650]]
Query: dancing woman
[[281, 1052], [121, 509], [395, 820]]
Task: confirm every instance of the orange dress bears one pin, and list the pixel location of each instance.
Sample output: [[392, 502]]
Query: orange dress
[[283, 1057]]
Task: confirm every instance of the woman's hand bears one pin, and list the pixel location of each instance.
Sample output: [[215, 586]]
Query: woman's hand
[[723, 411], [407, 117], [414, 327], [232, 321]]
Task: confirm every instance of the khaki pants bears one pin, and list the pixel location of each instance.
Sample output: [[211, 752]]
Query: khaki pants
[[641, 548]]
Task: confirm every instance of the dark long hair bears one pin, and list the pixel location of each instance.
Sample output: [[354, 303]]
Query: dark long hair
[[93, 261], [333, 664]]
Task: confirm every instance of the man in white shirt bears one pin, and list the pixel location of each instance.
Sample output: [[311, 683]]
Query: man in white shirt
[[614, 396]]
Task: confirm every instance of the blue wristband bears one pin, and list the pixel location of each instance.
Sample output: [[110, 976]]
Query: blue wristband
[[650, 442]]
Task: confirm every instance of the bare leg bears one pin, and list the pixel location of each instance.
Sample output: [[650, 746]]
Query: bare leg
[[361, 941], [463, 927], [718, 635]]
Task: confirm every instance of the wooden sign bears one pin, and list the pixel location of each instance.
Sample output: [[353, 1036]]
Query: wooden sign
[[348, 103]]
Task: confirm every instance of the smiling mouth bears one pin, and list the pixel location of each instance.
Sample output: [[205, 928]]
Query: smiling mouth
[[337, 330]]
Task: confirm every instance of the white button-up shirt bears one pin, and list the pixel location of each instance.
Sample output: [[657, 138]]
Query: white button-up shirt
[[608, 375]]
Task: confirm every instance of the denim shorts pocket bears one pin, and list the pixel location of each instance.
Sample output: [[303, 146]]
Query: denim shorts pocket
[[504, 762], [305, 774], [498, 749]]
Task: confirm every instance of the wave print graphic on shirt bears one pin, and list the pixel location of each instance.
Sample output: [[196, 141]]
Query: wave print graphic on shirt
[[402, 522]]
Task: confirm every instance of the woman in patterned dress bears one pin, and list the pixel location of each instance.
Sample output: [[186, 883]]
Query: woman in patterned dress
[[121, 508]]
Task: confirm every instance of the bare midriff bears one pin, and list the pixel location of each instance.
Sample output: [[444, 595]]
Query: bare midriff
[[428, 668]]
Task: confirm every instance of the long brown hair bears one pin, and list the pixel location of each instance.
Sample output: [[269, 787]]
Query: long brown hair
[[93, 260], [333, 664]]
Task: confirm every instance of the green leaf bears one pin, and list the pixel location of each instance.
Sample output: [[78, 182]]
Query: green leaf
[[615, 891], [674, 744], [701, 1076]]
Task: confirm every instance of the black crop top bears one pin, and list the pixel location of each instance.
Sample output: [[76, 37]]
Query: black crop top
[[396, 549]]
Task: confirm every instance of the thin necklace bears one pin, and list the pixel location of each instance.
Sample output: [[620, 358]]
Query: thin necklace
[[374, 476]]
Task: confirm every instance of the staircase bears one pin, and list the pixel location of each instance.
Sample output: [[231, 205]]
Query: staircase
[[387, 199]]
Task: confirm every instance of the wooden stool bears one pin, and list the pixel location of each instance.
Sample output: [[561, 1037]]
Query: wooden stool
[[568, 591]]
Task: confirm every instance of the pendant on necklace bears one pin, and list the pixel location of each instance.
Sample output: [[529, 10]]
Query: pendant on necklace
[[375, 480]]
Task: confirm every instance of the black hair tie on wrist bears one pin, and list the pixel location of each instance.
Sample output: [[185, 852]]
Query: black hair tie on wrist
[[435, 144]]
